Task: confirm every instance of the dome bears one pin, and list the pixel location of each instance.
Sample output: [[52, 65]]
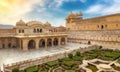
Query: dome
[[20, 23], [71, 15], [47, 24], [34, 23]]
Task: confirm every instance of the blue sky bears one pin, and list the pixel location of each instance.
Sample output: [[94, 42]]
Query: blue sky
[[55, 11]]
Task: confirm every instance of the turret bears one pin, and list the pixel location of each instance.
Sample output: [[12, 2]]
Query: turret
[[71, 16], [20, 23], [79, 15]]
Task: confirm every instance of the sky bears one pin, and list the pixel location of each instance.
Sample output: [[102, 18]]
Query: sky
[[53, 11]]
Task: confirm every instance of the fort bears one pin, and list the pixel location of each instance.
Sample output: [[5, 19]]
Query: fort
[[50, 43], [104, 30]]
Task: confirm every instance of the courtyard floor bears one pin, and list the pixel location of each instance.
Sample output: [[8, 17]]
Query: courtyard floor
[[8, 56]]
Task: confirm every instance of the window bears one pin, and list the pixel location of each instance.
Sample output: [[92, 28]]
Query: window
[[98, 26], [37, 30], [22, 31], [40, 30], [34, 30], [19, 31], [116, 25], [102, 26]]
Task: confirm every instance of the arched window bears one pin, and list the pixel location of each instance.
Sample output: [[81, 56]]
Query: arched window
[[34, 30], [19, 31], [22, 31], [40, 30], [102, 27]]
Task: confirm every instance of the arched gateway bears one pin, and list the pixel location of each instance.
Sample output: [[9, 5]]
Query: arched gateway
[[42, 43], [49, 42], [55, 42], [31, 44]]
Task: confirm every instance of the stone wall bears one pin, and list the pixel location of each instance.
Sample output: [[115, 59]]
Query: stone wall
[[109, 22], [109, 39]]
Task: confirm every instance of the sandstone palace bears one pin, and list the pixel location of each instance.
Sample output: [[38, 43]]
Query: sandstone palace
[[33, 34], [104, 30]]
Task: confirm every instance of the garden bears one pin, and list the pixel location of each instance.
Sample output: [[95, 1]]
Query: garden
[[71, 62]]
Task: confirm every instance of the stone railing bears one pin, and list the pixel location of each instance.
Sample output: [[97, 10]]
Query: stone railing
[[33, 34], [31, 62]]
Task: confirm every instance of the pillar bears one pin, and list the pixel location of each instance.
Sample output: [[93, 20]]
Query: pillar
[[52, 42], [25, 45], [20, 44], [37, 43], [45, 42], [65, 40], [59, 41]]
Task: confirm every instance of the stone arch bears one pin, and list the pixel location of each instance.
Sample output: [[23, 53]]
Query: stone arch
[[31, 44], [55, 42], [42, 43], [63, 41], [9, 45], [49, 42]]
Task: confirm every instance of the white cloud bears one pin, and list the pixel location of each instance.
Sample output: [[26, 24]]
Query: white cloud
[[104, 10], [94, 9]]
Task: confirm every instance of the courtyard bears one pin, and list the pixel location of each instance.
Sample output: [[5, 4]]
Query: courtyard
[[9, 56], [96, 60]]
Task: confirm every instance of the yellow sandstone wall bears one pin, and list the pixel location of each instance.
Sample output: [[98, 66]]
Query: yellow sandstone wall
[[110, 22]]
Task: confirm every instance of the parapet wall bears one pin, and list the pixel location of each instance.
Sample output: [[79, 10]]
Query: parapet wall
[[31, 62]]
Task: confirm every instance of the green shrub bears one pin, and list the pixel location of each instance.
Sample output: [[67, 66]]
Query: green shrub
[[52, 63], [70, 56], [15, 70], [78, 53], [32, 69], [77, 58]]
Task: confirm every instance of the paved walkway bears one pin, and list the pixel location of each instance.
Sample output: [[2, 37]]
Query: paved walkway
[[8, 56]]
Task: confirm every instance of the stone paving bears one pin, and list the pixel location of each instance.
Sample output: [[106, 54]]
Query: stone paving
[[8, 56]]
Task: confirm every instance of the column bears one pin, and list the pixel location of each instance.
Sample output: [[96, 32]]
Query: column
[[45, 42], [20, 44], [37, 43], [59, 41], [52, 42], [25, 45]]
